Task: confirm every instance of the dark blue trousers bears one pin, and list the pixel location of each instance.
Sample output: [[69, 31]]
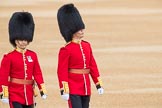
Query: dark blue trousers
[[18, 105], [78, 101]]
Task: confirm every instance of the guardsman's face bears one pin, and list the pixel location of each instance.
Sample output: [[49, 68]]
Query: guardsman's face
[[21, 44], [79, 34]]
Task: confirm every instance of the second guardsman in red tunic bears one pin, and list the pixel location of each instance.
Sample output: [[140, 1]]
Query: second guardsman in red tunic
[[75, 60], [20, 68]]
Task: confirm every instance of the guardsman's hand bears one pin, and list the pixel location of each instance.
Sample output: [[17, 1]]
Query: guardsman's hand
[[43, 92], [99, 87], [65, 91], [5, 100], [100, 91], [65, 96], [44, 96]]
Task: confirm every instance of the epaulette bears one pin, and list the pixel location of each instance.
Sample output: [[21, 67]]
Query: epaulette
[[8, 52], [67, 44], [85, 41], [30, 50]]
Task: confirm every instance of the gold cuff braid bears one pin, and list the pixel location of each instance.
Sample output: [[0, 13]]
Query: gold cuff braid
[[5, 91], [43, 88], [65, 86], [99, 82]]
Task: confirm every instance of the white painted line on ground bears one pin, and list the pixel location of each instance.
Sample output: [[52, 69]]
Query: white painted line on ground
[[97, 11], [142, 90], [120, 11], [147, 49]]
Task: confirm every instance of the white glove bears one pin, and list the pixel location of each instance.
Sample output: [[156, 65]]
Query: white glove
[[100, 91], [65, 96], [44, 96], [5, 100]]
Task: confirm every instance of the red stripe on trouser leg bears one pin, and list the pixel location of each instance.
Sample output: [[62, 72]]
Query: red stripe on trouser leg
[[69, 103], [11, 106]]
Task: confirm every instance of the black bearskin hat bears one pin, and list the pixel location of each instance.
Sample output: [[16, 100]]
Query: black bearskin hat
[[69, 21], [21, 27]]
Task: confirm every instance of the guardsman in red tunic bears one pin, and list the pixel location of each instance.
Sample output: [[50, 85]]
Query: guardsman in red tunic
[[76, 62], [20, 68]]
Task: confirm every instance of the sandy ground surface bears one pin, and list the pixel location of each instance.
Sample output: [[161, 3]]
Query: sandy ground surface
[[126, 36]]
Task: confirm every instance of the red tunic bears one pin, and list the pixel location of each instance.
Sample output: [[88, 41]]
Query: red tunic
[[77, 56], [15, 65]]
